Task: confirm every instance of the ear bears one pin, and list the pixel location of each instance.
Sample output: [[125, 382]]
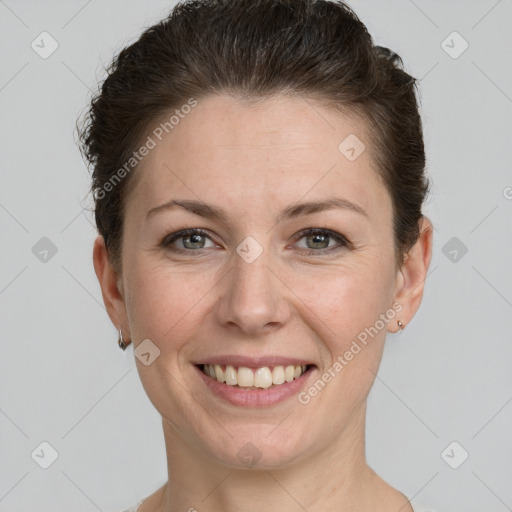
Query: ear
[[411, 276], [111, 287]]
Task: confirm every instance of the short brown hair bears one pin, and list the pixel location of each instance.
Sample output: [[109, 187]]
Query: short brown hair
[[254, 49]]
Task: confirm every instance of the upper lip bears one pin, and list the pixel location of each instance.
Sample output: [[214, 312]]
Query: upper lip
[[255, 362]]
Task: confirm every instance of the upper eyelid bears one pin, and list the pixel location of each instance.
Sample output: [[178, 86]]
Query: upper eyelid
[[182, 233]]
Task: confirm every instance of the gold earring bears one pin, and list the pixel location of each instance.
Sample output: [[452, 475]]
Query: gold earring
[[121, 342], [400, 326]]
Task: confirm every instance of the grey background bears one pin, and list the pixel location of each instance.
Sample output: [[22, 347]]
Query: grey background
[[63, 379]]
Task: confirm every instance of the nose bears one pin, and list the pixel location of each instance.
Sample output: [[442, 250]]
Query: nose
[[253, 298]]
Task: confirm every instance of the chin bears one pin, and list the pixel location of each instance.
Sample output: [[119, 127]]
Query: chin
[[259, 447]]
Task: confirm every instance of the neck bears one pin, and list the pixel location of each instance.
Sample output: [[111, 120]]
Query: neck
[[335, 478]]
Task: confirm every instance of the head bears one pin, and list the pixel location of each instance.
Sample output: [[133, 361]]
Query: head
[[242, 112]]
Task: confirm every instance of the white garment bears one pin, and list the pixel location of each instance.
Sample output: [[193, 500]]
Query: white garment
[[416, 507]]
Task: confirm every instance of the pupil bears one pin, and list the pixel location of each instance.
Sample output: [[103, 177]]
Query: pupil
[[322, 238], [195, 239]]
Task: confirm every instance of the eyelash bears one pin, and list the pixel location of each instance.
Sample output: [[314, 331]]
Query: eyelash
[[344, 242]]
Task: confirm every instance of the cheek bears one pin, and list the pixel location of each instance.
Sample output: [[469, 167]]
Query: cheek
[[346, 308], [165, 303], [346, 299]]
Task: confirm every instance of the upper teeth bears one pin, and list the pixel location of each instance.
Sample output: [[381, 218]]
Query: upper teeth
[[246, 377]]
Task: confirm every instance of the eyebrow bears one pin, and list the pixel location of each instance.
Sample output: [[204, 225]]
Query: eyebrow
[[213, 212]]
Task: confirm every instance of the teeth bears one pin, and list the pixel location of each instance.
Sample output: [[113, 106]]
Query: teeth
[[289, 373], [278, 375], [219, 374], [263, 378], [230, 375], [246, 377]]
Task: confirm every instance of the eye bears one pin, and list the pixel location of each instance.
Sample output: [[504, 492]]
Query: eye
[[319, 239], [189, 239]]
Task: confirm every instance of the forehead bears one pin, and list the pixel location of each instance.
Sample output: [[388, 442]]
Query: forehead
[[279, 149]]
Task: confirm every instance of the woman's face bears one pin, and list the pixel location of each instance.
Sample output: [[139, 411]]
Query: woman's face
[[256, 284]]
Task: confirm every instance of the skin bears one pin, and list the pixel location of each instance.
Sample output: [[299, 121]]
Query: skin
[[253, 161]]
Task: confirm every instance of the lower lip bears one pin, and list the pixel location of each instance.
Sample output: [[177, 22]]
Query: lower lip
[[255, 397]]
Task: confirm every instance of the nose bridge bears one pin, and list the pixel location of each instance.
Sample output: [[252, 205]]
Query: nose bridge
[[252, 297]]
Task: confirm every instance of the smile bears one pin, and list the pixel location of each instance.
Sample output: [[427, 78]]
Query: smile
[[258, 378], [254, 381]]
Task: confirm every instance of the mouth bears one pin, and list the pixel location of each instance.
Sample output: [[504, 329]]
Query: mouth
[[263, 378]]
